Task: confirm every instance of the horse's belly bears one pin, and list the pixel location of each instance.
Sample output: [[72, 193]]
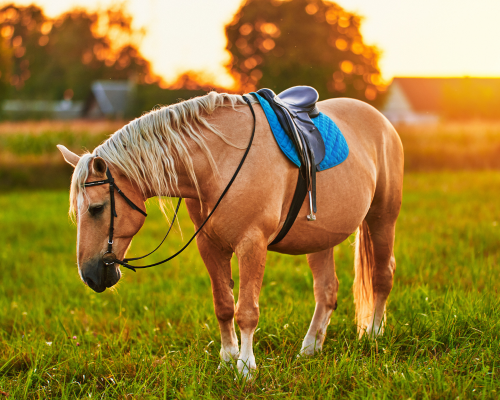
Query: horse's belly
[[342, 204]]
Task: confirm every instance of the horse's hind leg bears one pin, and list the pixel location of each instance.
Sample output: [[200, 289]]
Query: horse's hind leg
[[374, 271], [326, 286]]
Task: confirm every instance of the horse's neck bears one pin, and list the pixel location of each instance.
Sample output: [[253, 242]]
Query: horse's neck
[[203, 171], [208, 179]]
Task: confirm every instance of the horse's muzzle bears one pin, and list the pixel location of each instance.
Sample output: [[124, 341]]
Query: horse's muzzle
[[98, 276]]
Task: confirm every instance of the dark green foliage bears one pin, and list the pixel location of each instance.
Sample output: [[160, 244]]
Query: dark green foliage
[[49, 59], [278, 44]]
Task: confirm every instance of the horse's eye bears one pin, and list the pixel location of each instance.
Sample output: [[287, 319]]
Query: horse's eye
[[96, 210]]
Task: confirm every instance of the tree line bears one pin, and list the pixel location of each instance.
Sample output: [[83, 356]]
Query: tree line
[[273, 43]]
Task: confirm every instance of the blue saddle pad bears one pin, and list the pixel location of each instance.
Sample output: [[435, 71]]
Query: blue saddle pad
[[336, 148]]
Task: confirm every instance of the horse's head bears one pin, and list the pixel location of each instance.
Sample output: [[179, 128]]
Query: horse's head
[[92, 208]]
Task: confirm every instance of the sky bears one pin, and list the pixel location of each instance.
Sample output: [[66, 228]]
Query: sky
[[417, 38]]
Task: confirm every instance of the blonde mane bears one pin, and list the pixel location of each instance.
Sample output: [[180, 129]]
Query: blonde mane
[[146, 149]]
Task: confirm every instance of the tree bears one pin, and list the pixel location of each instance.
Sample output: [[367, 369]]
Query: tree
[[282, 43], [5, 63], [50, 59]]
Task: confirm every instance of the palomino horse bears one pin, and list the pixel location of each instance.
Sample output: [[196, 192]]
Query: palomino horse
[[191, 149]]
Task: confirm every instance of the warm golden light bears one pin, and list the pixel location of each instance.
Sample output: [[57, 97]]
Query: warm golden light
[[241, 43], [331, 16], [357, 47], [268, 44], [43, 40], [270, 29], [428, 39], [246, 29], [338, 76], [7, 31], [370, 93], [311, 9], [46, 28], [346, 66], [17, 41], [344, 22], [250, 63], [256, 74], [341, 44]]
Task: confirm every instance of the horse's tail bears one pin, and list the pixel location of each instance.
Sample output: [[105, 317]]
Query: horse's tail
[[364, 262]]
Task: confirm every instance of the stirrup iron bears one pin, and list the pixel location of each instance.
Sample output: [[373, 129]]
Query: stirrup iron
[[312, 216]]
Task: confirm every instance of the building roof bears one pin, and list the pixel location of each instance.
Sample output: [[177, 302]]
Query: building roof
[[111, 98]]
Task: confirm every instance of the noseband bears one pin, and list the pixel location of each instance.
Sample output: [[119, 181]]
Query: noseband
[[109, 258]]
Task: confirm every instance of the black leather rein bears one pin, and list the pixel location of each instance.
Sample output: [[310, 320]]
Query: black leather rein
[[109, 258]]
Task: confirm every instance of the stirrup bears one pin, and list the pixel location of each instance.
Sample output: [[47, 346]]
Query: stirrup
[[312, 216]]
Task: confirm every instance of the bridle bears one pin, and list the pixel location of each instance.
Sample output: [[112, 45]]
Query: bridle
[[109, 258]]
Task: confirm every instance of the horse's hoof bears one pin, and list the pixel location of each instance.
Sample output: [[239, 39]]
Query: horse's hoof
[[310, 348], [373, 332], [246, 370], [247, 374], [308, 352]]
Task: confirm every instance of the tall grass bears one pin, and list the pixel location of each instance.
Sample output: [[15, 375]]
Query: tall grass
[[156, 335], [29, 157], [451, 146]]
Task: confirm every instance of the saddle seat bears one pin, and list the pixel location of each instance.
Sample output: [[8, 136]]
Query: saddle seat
[[300, 99]]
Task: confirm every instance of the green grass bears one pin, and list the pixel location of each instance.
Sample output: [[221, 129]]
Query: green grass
[[156, 335]]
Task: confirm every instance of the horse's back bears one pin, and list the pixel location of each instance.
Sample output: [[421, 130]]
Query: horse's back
[[368, 133]]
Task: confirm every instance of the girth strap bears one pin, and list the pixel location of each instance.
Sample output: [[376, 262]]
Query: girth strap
[[297, 201]]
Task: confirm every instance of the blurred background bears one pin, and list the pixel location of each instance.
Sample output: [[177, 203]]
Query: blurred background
[[74, 71]]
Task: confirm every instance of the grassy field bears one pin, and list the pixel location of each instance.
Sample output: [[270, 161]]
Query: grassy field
[[156, 335]]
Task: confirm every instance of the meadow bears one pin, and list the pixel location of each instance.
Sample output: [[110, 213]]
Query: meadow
[[156, 335]]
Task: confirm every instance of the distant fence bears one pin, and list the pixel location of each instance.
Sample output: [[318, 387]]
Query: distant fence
[[41, 109]]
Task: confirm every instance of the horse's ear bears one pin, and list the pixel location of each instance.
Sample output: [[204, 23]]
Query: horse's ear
[[70, 157], [99, 166]]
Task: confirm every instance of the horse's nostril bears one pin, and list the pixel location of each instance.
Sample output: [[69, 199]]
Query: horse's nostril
[[93, 285], [96, 287]]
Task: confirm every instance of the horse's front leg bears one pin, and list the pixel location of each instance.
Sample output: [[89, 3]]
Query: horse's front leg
[[218, 263], [251, 253]]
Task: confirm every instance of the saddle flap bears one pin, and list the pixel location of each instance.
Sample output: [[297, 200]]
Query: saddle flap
[[314, 140]]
